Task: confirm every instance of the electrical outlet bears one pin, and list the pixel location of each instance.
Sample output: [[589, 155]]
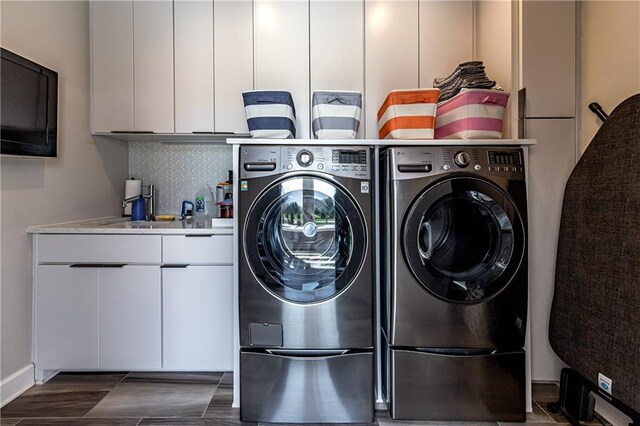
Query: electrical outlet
[[604, 383]]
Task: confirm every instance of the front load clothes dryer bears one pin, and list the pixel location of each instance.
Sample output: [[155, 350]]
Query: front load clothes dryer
[[306, 284], [454, 274]]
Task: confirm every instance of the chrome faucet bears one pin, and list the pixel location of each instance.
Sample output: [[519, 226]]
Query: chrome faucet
[[150, 197]]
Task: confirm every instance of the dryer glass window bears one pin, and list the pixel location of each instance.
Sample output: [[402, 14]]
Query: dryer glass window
[[307, 238], [464, 240]]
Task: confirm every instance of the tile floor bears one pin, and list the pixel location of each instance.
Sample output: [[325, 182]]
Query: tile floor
[[195, 399]]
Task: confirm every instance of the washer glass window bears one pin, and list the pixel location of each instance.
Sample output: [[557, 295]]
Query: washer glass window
[[308, 237], [464, 240]]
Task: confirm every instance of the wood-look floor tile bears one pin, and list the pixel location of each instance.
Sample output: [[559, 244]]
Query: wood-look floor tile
[[220, 405], [142, 399], [544, 393], [536, 417], [80, 422], [374, 423], [227, 378], [194, 422], [185, 378], [390, 422], [382, 414], [9, 421], [52, 402], [86, 381]]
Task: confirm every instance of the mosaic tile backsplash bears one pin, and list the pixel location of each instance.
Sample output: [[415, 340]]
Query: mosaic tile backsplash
[[178, 171]]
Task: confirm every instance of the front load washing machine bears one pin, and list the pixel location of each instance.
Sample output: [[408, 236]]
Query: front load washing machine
[[306, 284], [454, 274]]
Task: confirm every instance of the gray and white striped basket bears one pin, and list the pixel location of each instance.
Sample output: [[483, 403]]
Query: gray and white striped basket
[[336, 114]]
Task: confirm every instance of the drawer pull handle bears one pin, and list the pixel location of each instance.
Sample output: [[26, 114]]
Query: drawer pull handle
[[174, 266], [97, 265], [199, 235]]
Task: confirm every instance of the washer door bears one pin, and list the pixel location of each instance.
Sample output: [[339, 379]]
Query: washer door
[[463, 240], [305, 239]]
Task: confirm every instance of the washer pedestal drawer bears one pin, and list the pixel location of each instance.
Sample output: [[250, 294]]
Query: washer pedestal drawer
[[446, 387], [306, 387]]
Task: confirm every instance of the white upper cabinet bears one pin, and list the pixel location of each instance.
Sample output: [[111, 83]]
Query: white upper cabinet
[[233, 52], [337, 46], [549, 58], [446, 37], [181, 66], [153, 66], [282, 53], [391, 52], [194, 92], [111, 66]]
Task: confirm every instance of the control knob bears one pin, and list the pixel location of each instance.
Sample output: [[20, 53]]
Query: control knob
[[305, 158], [462, 159]]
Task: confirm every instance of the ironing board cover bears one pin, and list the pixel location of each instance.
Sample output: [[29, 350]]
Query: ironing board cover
[[595, 317]]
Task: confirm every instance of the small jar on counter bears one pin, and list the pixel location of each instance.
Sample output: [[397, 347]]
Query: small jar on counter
[[226, 211]]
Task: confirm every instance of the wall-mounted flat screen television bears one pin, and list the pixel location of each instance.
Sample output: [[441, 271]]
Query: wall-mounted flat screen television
[[29, 107]]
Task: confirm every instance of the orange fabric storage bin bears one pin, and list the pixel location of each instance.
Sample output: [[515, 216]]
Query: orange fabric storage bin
[[408, 114]]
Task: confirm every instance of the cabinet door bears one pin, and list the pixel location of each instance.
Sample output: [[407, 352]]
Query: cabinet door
[[446, 37], [130, 317], [111, 66], [193, 25], [197, 318], [337, 46], [233, 52], [391, 52], [153, 66], [549, 58], [282, 53], [66, 317], [551, 161]]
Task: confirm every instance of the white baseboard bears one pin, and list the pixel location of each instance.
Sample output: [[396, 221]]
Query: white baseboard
[[16, 384]]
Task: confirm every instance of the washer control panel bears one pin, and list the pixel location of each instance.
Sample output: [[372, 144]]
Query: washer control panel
[[339, 161], [348, 161]]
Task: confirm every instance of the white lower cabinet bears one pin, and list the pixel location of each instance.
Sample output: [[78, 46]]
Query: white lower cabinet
[[197, 318], [118, 302], [130, 321], [66, 317]]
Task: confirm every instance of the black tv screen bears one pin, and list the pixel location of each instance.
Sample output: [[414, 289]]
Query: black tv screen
[[29, 107]]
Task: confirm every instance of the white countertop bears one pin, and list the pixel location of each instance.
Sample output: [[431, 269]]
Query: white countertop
[[124, 225], [385, 142]]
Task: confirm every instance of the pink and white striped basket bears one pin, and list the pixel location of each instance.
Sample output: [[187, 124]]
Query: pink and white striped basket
[[471, 114]]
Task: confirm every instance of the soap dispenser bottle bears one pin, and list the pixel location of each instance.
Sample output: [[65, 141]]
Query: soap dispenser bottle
[[203, 202]]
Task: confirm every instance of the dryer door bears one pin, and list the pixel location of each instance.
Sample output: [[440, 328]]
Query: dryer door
[[464, 240], [305, 239]]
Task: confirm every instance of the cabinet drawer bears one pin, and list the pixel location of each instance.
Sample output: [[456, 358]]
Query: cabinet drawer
[[99, 248], [197, 249]]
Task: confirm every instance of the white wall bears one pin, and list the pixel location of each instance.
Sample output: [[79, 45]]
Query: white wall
[[610, 53], [86, 180], [494, 44]]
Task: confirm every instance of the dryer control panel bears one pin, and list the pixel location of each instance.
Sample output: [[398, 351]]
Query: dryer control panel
[[412, 162]]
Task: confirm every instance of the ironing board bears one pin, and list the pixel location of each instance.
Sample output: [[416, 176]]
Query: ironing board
[[595, 316]]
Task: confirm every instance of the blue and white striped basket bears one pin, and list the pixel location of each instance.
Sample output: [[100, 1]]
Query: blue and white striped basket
[[270, 114], [336, 114]]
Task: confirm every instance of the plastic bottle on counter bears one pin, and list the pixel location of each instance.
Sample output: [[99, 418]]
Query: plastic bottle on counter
[[203, 203]]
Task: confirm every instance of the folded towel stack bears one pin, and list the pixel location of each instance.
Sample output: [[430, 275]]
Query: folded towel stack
[[466, 76]]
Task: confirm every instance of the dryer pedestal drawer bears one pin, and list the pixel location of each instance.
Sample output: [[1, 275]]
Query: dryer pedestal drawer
[[320, 388], [429, 386]]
